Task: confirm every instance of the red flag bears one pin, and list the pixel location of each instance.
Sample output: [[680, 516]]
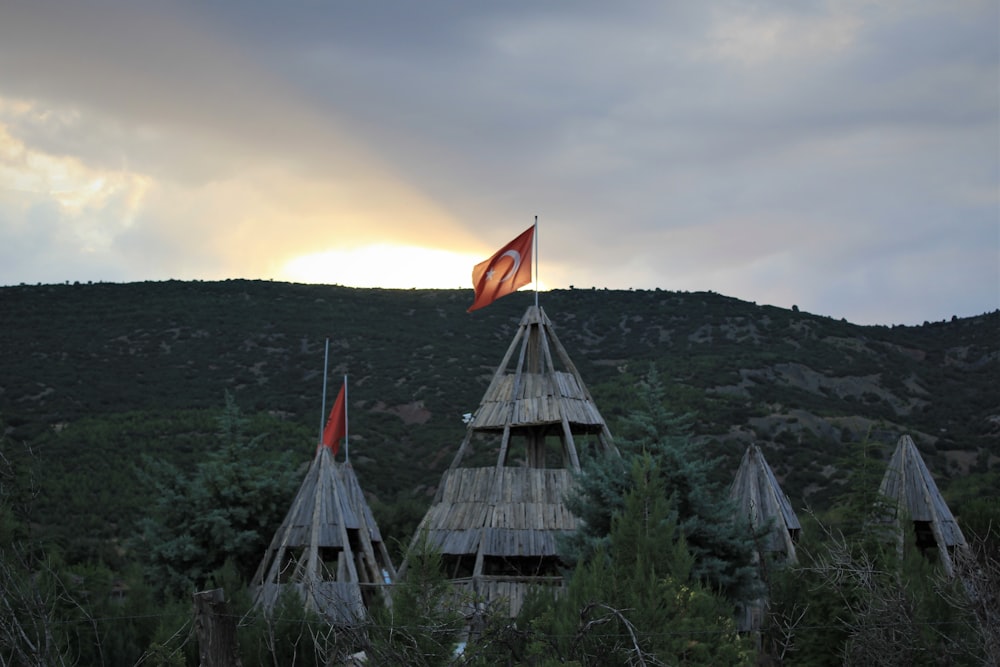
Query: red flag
[[504, 272], [336, 423]]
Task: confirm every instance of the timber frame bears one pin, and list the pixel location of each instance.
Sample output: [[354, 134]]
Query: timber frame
[[761, 504], [498, 527], [912, 497], [328, 548]]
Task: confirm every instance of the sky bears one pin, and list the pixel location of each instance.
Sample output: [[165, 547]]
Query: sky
[[840, 156]]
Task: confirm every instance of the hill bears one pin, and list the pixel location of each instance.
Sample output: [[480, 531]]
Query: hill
[[94, 375]]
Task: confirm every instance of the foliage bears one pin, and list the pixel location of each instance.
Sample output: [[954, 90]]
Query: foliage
[[31, 592], [32, 602], [975, 501], [398, 521], [228, 508], [423, 623], [289, 634], [854, 598], [854, 603], [95, 375], [87, 366], [723, 550], [636, 599], [860, 508]]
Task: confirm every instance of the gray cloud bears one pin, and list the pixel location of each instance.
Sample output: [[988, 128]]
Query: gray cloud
[[841, 156]]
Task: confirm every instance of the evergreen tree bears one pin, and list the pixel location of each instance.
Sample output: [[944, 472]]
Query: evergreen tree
[[31, 592], [636, 599], [871, 600], [421, 627], [228, 508], [858, 513], [723, 551]]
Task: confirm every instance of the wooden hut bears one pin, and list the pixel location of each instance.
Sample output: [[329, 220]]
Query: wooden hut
[[497, 526], [328, 548], [760, 501], [912, 497]]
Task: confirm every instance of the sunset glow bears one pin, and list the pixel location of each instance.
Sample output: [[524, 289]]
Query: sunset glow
[[840, 157], [383, 265], [387, 266]]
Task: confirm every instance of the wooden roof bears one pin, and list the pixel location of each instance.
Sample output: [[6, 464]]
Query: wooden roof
[[912, 493], [759, 499], [498, 527], [500, 511], [328, 548], [537, 391]]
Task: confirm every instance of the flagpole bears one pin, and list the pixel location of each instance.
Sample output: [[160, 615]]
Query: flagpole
[[347, 440], [322, 410], [536, 261]]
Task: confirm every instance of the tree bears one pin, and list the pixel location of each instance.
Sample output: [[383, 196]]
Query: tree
[[423, 623], [860, 509], [722, 550], [33, 596], [636, 599], [227, 508], [858, 596], [858, 604]]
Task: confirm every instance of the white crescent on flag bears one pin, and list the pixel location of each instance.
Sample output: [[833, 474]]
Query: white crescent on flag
[[488, 282], [516, 256]]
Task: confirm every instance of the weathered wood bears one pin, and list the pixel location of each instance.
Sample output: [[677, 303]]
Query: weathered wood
[[327, 547], [506, 518], [216, 630], [912, 493], [759, 500]]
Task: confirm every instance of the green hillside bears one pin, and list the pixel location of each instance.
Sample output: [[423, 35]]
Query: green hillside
[[94, 376]]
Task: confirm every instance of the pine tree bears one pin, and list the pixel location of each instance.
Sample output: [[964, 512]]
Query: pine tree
[[876, 602], [635, 599], [722, 550], [226, 509], [423, 623]]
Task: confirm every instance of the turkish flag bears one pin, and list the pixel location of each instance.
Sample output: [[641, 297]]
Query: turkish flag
[[336, 424], [507, 270]]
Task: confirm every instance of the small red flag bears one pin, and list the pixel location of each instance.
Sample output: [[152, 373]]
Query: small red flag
[[504, 272], [336, 423]]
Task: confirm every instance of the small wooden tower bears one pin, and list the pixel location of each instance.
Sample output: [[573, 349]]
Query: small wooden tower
[[759, 500], [328, 548], [912, 495], [497, 526]]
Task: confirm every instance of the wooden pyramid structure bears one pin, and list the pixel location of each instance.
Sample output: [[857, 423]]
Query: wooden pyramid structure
[[759, 499], [328, 548], [912, 495], [497, 527], [760, 502]]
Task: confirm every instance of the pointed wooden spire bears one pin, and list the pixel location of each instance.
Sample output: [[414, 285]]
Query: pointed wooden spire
[[497, 527], [913, 495], [535, 395], [759, 500], [328, 548]]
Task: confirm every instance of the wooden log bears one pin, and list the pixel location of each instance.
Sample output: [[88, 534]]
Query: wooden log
[[216, 630]]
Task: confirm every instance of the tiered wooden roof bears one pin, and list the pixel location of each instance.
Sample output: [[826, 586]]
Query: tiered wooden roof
[[497, 527], [328, 548], [913, 496], [759, 500]]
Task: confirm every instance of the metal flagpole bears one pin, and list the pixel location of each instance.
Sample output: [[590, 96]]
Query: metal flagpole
[[347, 440], [536, 261], [322, 410]]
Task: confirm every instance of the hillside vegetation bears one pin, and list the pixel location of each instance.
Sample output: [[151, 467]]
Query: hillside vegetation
[[95, 376]]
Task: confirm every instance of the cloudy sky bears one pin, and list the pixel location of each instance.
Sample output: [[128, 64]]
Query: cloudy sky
[[842, 156]]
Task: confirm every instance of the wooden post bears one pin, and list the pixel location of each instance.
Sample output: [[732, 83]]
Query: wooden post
[[216, 630]]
